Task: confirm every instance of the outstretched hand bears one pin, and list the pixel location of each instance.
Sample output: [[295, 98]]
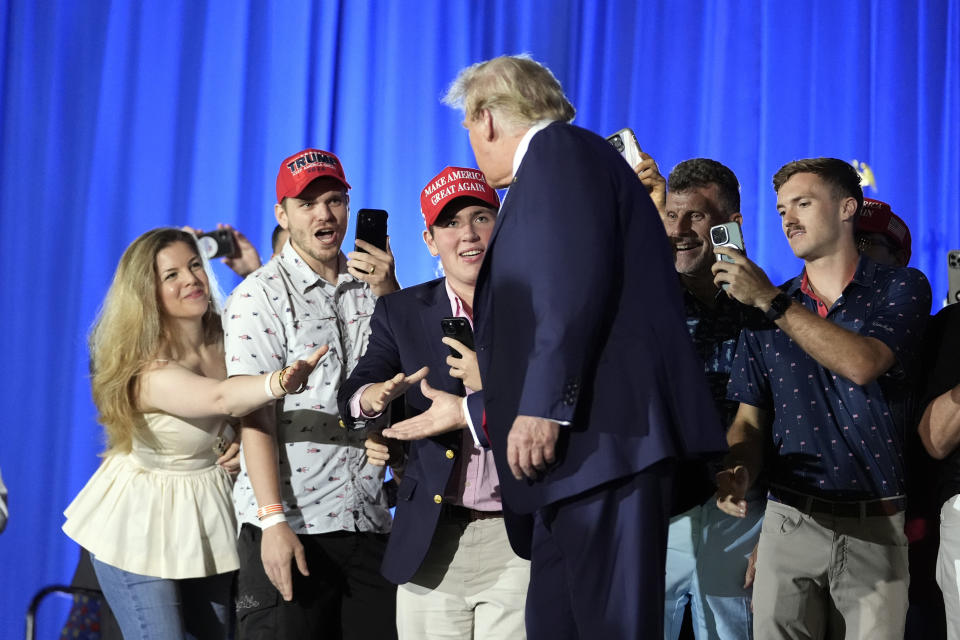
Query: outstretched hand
[[294, 377], [376, 397], [445, 414]]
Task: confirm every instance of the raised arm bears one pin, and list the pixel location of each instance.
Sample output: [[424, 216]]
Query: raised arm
[[169, 387], [861, 357]]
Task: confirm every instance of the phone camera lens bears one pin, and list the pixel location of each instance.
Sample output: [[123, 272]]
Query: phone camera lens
[[208, 246], [719, 236], [617, 143]]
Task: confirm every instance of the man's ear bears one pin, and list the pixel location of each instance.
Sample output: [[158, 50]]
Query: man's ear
[[848, 208], [281, 215], [431, 243], [489, 129], [737, 217]]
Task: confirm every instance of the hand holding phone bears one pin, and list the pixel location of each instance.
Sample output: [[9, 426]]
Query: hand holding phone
[[458, 329], [727, 234], [372, 228], [463, 365], [216, 244]]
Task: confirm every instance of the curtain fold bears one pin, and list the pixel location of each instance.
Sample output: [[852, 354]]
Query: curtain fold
[[116, 117]]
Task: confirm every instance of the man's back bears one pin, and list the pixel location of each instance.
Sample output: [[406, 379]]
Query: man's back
[[579, 320]]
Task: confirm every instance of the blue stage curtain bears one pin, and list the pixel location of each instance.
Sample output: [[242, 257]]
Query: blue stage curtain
[[116, 117]]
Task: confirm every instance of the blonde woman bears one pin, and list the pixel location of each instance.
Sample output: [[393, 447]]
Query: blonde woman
[[157, 516]]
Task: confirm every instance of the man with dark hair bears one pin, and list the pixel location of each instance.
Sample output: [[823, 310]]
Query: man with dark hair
[[698, 173], [707, 550], [312, 511], [581, 402], [826, 386]]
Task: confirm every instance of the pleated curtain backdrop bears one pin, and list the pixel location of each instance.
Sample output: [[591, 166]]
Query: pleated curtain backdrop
[[116, 117]]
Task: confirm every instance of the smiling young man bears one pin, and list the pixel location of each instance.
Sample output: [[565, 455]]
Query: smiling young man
[[448, 551], [825, 389], [313, 514]]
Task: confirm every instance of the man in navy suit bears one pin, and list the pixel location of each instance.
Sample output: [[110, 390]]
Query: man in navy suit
[[591, 386], [448, 549]]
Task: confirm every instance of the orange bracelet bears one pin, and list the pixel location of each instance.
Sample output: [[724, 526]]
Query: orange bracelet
[[269, 510]]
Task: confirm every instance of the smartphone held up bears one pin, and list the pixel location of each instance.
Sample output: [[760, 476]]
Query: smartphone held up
[[458, 329], [372, 228], [727, 234], [626, 143], [217, 244]]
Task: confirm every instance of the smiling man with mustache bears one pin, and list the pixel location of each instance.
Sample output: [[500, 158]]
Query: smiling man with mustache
[[707, 550], [825, 387]]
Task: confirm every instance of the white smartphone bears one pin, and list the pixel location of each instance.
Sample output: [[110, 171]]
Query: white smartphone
[[626, 143], [727, 234], [953, 276]]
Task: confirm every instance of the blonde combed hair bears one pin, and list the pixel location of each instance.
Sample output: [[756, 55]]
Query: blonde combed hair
[[517, 88], [129, 333]]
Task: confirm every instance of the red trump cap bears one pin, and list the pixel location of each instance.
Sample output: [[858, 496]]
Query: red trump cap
[[453, 183], [302, 168], [877, 217]]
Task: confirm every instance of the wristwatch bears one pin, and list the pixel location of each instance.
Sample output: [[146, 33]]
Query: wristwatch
[[778, 306]]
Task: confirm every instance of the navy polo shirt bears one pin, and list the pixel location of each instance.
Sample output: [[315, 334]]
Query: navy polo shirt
[[714, 332], [833, 438]]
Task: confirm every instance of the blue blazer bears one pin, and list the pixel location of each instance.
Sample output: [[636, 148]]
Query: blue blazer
[[404, 336], [579, 319]]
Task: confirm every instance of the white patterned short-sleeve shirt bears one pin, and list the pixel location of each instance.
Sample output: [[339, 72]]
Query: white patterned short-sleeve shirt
[[281, 313]]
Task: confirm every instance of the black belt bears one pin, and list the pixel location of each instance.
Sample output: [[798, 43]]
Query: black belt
[[470, 515], [811, 505]]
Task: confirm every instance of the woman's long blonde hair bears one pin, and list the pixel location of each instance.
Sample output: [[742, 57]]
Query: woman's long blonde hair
[[129, 333]]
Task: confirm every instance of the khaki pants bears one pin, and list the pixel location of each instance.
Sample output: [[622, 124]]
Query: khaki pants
[[471, 585], [830, 577], [948, 561]]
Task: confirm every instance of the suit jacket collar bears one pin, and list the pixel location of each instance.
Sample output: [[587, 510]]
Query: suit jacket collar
[[525, 144]]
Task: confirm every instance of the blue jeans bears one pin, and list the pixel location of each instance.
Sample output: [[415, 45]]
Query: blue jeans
[[707, 554], [150, 608]]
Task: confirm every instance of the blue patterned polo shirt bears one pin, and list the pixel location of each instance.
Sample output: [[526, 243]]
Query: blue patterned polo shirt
[[832, 437], [714, 331]]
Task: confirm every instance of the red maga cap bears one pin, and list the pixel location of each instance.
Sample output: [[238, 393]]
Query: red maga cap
[[302, 168], [877, 217], [453, 183]]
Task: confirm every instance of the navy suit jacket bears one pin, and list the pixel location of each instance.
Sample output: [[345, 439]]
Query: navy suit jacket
[[578, 318], [405, 336]]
